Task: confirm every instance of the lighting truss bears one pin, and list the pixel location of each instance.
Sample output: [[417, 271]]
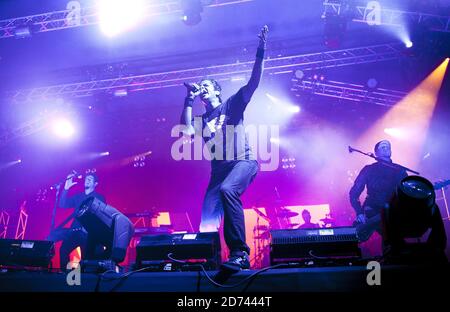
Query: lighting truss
[[278, 65], [390, 17], [79, 16], [25, 129], [347, 91]]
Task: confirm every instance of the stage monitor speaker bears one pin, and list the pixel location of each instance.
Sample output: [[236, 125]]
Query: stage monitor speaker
[[318, 245], [26, 253], [153, 251]]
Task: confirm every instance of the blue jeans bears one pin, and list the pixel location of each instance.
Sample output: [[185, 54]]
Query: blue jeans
[[229, 179]]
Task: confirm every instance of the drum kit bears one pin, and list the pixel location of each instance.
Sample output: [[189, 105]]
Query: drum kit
[[262, 232]]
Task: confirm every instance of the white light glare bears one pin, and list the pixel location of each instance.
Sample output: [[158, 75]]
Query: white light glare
[[118, 16]]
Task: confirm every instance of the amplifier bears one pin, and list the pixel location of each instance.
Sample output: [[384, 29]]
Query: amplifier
[[29, 253], [154, 250], [314, 244]]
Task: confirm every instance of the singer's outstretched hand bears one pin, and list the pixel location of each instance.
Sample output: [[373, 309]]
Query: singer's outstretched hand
[[69, 181], [263, 37]]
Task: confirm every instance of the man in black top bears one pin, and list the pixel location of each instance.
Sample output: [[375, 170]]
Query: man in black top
[[233, 165], [381, 181], [77, 235]]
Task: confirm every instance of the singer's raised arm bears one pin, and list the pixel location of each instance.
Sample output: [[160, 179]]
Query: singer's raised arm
[[255, 78]]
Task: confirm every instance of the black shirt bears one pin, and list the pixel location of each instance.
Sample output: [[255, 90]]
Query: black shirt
[[381, 181], [226, 143], [75, 201]]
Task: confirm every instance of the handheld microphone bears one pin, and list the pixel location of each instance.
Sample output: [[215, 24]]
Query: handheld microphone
[[350, 149], [192, 87]]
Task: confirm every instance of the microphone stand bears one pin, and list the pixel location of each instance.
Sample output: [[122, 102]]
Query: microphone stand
[[55, 206], [387, 163]]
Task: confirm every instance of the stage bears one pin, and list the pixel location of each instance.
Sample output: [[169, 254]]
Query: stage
[[283, 280]]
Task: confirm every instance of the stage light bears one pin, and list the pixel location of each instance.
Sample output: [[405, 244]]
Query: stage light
[[118, 16], [412, 213], [63, 128], [106, 227], [120, 92], [192, 10], [398, 133], [22, 32], [412, 115], [275, 140], [408, 44], [299, 74], [104, 154], [294, 109], [372, 83]]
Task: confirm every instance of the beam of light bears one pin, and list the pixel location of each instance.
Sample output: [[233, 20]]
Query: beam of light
[[283, 106], [63, 128], [10, 164], [104, 154], [118, 16], [398, 133], [131, 159], [411, 117]]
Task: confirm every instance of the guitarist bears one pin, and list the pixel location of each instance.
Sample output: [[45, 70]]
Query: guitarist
[[381, 181], [76, 236]]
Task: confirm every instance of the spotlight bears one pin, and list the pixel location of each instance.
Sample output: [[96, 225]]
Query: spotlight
[[117, 16], [63, 128], [411, 213], [104, 154], [192, 10], [275, 140], [299, 74], [408, 44], [22, 32], [120, 92], [294, 109], [372, 83], [107, 227]]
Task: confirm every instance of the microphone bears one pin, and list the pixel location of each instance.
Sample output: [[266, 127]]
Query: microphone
[[350, 149], [192, 87]]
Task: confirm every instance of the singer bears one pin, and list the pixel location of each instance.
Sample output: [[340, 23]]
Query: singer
[[235, 167], [76, 236]]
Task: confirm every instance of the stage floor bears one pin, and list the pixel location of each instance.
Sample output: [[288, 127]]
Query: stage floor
[[317, 279]]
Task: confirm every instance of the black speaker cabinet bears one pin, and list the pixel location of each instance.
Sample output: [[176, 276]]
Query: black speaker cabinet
[[156, 250], [319, 245], [27, 253]]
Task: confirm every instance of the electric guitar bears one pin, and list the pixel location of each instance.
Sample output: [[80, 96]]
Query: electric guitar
[[365, 230]]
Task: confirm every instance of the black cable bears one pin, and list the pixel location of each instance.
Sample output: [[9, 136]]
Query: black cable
[[228, 286]]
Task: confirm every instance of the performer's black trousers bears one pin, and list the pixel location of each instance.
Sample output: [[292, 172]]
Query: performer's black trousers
[[229, 179]]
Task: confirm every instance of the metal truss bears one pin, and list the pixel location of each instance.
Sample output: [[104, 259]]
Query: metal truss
[[22, 223], [224, 72], [76, 16], [391, 17], [347, 91], [4, 222], [25, 129]]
